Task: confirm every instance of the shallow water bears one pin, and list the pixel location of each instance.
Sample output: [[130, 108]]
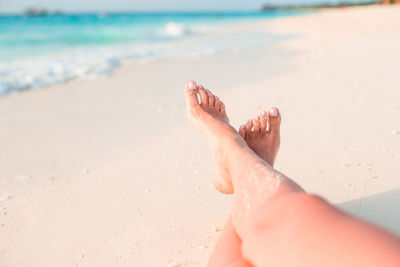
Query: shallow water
[[38, 51]]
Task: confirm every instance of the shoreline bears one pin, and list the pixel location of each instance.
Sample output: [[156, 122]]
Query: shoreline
[[108, 172], [166, 38]]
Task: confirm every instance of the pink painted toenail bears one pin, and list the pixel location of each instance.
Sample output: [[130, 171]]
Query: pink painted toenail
[[273, 112], [192, 85]]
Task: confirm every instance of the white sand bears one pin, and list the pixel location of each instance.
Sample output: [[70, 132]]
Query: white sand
[[108, 172]]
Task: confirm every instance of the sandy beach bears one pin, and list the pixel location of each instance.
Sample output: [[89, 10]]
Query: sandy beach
[[108, 172]]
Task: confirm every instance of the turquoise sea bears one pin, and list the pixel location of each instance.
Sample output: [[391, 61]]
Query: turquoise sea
[[38, 51]]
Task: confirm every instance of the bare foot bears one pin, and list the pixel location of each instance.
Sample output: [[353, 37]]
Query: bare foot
[[209, 117], [263, 141]]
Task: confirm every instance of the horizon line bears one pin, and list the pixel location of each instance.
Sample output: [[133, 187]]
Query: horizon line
[[53, 11]]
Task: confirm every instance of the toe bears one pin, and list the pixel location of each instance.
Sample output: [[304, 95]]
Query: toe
[[248, 127], [274, 121], [217, 103], [222, 108], [256, 126], [191, 94], [211, 99], [203, 95], [263, 122], [242, 131]]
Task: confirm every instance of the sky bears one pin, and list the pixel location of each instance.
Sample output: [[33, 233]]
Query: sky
[[12, 6]]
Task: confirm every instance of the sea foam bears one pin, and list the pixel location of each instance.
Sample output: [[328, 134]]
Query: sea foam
[[81, 63], [175, 30], [40, 51], [85, 62]]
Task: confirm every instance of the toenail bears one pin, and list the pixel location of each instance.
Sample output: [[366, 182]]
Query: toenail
[[192, 85], [273, 112]]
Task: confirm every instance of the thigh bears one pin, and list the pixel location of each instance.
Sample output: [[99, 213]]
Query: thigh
[[227, 251], [305, 230]]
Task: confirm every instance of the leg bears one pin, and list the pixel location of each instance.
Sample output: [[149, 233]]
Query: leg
[[253, 180], [305, 230], [271, 212], [228, 250], [265, 143]]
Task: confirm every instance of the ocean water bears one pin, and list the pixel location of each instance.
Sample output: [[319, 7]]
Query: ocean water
[[39, 51]]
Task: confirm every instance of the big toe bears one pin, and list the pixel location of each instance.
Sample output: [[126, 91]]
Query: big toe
[[274, 121], [191, 94]]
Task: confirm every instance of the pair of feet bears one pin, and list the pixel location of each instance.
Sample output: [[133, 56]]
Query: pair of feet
[[207, 113]]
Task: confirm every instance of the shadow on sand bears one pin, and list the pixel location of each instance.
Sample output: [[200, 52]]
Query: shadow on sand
[[382, 209]]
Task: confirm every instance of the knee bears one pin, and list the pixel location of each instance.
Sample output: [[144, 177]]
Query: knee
[[287, 208], [305, 207], [305, 203], [277, 223]]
